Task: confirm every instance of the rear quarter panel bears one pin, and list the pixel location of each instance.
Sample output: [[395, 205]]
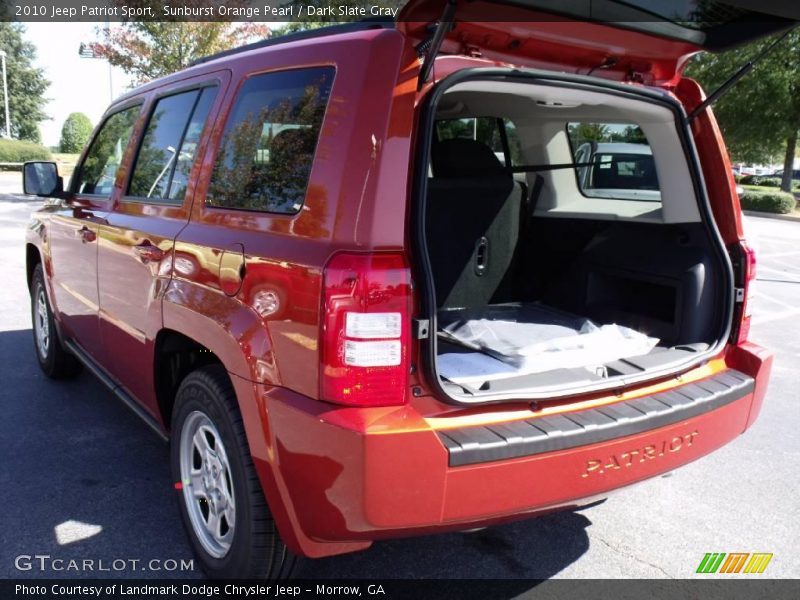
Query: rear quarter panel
[[355, 200]]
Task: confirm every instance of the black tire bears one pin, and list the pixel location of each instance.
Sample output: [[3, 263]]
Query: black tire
[[55, 361], [256, 550]]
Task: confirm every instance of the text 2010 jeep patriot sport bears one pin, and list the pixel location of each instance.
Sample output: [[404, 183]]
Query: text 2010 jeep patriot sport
[[387, 279]]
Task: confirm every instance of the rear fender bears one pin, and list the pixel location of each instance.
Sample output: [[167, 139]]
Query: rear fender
[[239, 338], [228, 328]]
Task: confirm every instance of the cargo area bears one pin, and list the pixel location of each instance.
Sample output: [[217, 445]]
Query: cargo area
[[568, 242]]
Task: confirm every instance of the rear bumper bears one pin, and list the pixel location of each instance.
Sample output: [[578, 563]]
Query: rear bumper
[[338, 478], [521, 438]]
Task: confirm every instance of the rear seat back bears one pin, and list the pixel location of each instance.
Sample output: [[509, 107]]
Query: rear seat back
[[473, 224]]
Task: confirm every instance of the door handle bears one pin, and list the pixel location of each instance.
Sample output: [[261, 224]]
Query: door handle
[[147, 252], [86, 234]]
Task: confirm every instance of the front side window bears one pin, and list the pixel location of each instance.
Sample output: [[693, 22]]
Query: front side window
[[614, 160], [167, 152], [99, 169], [267, 150]]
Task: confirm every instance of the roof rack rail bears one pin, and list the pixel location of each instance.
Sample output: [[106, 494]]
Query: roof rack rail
[[364, 25]]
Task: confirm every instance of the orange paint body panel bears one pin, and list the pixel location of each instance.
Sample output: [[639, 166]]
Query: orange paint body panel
[[248, 287], [367, 474]]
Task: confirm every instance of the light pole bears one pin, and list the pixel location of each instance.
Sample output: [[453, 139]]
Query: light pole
[[5, 94], [86, 51]]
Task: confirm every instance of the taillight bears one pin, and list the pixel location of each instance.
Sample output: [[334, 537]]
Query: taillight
[[366, 329], [744, 264]]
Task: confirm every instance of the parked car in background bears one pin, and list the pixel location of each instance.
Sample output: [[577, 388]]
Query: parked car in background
[[795, 174], [615, 169], [276, 257]]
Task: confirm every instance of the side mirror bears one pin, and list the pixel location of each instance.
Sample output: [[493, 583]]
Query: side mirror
[[41, 179]]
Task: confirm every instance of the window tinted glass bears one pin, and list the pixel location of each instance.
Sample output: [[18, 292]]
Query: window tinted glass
[[268, 147], [162, 154], [486, 130], [99, 169], [614, 161], [188, 149]]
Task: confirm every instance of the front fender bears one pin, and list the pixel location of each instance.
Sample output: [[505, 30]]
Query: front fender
[[37, 249]]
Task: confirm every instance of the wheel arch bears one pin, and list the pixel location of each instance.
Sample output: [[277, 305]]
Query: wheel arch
[[33, 257], [175, 356]]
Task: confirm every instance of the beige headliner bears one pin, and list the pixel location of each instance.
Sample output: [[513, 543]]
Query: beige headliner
[[542, 130]]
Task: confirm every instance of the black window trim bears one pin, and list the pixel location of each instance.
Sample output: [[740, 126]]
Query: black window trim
[[159, 201], [75, 178], [228, 116]]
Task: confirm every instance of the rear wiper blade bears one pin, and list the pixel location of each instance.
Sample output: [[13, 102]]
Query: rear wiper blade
[[733, 79]]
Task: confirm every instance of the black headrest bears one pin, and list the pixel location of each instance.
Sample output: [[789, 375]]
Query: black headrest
[[464, 158]]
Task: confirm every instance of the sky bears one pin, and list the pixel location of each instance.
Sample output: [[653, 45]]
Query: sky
[[76, 84]]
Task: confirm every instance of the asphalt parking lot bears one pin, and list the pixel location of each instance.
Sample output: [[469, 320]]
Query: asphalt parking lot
[[77, 464]]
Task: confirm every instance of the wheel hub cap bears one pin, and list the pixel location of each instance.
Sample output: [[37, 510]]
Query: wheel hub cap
[[207, 484], [41, 324]]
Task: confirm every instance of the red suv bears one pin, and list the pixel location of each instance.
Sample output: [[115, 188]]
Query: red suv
[[359, 279]]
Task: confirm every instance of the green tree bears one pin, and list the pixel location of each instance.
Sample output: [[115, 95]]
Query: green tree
[[760, 116], [75, 133], [632, 135], [26, 85], [580, 133], [147, 50]]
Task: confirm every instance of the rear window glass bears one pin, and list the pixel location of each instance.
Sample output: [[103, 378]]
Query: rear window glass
[[489, 130], [613, 160], [267, 151]]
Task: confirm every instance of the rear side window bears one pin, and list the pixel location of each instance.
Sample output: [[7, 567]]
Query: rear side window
[[267, 150], [168, 148], [613, 160], [99, 169], [488, 130]]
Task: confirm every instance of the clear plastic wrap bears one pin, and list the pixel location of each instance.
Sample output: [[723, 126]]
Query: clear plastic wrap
[[531, 338]]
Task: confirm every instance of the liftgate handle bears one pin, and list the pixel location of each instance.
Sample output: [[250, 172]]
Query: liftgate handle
[[481, 256]]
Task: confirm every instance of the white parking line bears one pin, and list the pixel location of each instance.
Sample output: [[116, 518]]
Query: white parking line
[[757, 319], [782, 272], [769, 255], [759, 298]]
